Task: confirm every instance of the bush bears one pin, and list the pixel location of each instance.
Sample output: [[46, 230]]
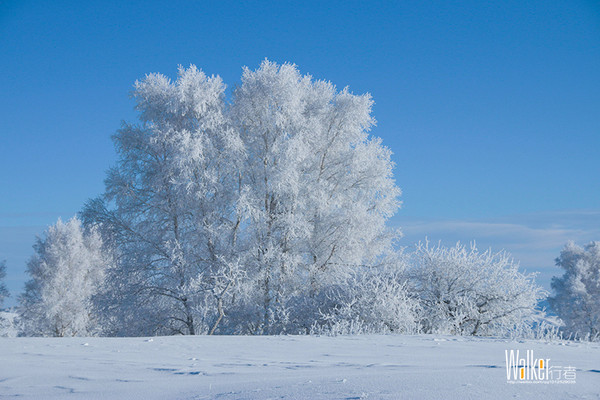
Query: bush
[[466, 292]]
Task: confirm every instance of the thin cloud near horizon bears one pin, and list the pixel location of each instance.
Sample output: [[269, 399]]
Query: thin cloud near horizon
[[534, 240]]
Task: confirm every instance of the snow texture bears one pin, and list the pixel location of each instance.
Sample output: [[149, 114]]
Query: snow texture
[[284, 367]]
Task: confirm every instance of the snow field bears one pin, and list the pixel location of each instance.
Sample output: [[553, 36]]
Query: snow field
[[284, 367]]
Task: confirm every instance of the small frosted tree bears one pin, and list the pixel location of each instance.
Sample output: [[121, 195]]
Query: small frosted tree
[[467, 292], [67, 270], [3, 290], [577, 292]]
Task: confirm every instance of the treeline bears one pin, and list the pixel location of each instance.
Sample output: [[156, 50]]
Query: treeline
[[265, 214], [77, 290]]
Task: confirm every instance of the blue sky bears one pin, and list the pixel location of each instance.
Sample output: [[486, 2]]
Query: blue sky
[[492, 109]]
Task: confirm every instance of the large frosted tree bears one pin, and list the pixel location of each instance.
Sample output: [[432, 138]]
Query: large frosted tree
[[577, 292], [227, 214], [67, 271], [317, 189], [169, 207]]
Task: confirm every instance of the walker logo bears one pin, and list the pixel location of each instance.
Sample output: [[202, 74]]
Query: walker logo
[[525, 368]]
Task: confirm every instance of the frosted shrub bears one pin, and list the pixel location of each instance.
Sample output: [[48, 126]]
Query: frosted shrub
[[467, 292], [372, 300]]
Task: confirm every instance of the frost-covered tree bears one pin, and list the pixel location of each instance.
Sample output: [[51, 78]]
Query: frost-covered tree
[[225, 214], [169, 208], [3, 290], [577, 292], [67, 271], [467, 292], [316, 189]]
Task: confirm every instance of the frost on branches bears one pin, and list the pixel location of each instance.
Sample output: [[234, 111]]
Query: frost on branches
[[577, 298], [169, 208], [266, 213], [467, 292], [66, 272], [227, 214], [3, 294], [372, 300], [316, 190], [3, 290]]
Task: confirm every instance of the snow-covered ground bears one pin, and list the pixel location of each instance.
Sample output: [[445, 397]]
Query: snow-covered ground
[[284, 367]]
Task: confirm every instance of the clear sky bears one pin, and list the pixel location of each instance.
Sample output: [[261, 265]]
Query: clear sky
[[492, 109]]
